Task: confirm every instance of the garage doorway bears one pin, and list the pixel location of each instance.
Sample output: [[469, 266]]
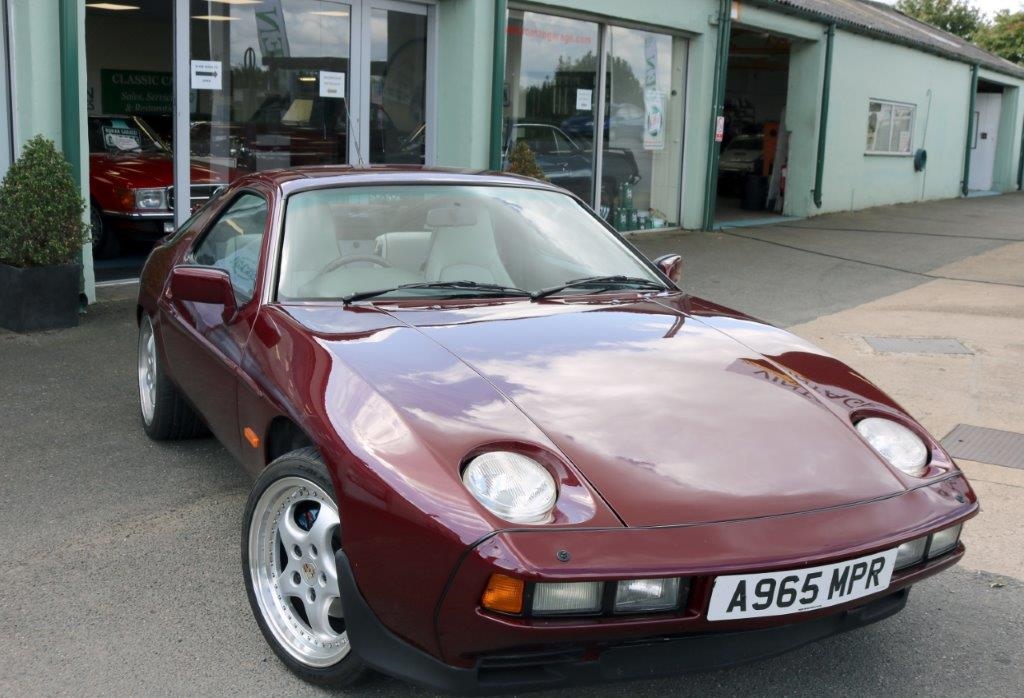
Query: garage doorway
[[988, 105], [754, 142], [129, 98]]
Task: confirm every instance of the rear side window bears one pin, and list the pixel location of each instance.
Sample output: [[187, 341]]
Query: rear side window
[[233, 243]]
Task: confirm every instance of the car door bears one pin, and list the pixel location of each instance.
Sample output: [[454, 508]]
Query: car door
[[203, 347]]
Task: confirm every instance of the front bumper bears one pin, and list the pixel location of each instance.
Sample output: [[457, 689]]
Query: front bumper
[[572, 664], [145, 225], [478, 651]]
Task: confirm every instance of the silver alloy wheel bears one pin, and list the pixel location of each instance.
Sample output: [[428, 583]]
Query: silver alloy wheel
[[293, 573], [147, 369]]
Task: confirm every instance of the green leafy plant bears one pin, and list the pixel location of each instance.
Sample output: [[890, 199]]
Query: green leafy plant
[[522, 162], [40, 209]]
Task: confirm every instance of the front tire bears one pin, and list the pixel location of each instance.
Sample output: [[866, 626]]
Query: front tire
[[290, 535], [104, 241], [165, 414]]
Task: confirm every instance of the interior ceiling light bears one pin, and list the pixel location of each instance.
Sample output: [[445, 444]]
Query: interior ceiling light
[[330, 13], [307, 78], [110, 6], [215, 18], [237, 2]]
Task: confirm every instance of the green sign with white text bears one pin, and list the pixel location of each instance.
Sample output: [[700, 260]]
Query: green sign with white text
[[136, 92]]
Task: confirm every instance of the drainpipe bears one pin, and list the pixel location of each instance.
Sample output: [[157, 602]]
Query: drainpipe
[[717, 109], [826, 89], [970, 129], [1020, 165], [70, 132], [498, 80]]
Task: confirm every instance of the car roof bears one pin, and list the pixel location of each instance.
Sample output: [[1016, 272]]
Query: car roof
[[316, 177]]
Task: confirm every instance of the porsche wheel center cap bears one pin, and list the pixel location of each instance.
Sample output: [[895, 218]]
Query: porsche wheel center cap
[[309, 572]]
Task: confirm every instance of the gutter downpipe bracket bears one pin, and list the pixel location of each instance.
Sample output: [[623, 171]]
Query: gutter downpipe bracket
[[717, 111], [498, 80], [970, 130], [826, 92]]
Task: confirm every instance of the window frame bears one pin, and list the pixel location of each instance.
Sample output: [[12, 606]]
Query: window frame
[[892, 105], [190, 259]]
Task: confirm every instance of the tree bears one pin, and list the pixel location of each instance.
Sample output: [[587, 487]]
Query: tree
[[1004, 36], [522, 162], [958, 17]]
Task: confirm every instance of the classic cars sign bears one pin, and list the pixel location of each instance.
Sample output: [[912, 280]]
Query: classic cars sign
[[136, 91]]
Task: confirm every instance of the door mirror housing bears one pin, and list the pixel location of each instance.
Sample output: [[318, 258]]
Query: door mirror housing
[[671, 265], [204, 285]]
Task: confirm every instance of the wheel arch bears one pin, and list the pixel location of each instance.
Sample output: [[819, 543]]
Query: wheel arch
[[283, 436]]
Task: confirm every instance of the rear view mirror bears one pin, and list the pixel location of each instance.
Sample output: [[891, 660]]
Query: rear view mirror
[[204, 285], [671, 265]]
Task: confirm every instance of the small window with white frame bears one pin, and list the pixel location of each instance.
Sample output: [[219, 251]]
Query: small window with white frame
[[890, 128]]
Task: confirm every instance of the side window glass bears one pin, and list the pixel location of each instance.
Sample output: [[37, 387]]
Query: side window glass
[[233, 243]]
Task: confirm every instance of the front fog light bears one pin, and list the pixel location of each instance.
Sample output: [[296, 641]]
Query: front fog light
[[560, 598], [645, 595], [944, 541], [911, 552]]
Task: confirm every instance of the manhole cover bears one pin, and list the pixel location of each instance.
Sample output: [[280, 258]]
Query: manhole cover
[[986, 445], [917, 345]]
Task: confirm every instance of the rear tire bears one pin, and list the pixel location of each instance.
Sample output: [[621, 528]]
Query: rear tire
[[290, 533], [165, 414]]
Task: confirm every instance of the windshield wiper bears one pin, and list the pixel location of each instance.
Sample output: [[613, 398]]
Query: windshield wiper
[[603, 282], [454, 285]]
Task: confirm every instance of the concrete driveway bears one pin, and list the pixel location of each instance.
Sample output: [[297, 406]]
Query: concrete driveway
[[122, 571]]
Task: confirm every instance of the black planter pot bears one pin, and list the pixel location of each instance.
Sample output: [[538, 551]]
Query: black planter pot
[[39, 298]]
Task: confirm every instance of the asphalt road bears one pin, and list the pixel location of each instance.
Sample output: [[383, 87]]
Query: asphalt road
[[121, 571]]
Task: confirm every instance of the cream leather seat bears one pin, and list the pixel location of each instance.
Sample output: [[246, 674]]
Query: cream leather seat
[[464, 248]]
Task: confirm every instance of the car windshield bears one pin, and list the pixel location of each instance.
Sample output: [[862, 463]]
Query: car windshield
[[123, 134], [348, 241]]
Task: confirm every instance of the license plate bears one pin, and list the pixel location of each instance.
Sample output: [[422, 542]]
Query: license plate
[[794, 591]]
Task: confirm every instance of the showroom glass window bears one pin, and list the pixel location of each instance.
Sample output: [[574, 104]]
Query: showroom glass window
[[643, 121], [553, 97]]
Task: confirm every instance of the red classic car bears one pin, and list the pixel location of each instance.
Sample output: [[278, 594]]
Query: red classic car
[[496, 449], [131, 172]]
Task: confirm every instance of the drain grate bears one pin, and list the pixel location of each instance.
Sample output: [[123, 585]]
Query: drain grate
[[917, 345], [986, 445]]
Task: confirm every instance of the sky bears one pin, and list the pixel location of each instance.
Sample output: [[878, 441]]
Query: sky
[[989, 7]]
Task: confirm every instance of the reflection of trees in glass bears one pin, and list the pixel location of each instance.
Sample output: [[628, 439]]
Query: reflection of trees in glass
[[555, 98]]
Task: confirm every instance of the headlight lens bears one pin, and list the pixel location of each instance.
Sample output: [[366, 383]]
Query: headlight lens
[[150, 199], [944, 541], [911, 552], [894, 442], [557, 598], [644, 595], [512, 486]]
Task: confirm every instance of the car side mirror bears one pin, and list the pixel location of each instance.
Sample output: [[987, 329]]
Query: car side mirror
[[671, 265], [204, 285]]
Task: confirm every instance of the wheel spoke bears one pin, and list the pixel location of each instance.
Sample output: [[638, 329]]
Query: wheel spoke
[[291, 534], [318, 613]]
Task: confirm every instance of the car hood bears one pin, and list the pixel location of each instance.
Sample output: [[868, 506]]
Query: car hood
[[671, 419], [141, 170]]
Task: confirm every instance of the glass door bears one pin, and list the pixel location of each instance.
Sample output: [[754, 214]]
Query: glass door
[[396, 91], [290, 83]]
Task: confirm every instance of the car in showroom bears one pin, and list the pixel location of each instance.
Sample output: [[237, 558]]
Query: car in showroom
[[496, 449], [570, 165], [131, 176]]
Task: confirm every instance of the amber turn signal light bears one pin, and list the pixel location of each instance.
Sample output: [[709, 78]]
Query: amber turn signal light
[[251, 437], [503, 594]]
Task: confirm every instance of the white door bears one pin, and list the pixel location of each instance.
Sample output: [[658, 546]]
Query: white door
[[983, 147]]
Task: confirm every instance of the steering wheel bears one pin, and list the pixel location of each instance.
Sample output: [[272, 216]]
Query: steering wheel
[[352, 259]]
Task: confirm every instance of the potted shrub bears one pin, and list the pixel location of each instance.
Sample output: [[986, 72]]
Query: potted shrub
[[41, 237], [521, 161]]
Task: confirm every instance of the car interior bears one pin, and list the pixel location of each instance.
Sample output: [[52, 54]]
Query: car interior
[[339, 245]]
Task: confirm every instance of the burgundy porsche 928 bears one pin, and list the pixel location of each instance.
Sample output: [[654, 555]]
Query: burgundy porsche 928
[[497, 449]]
